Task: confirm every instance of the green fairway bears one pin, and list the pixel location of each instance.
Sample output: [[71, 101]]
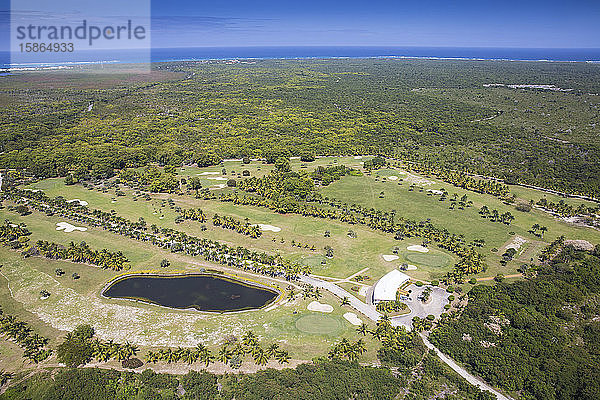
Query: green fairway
[[319, 324], [428, 260]]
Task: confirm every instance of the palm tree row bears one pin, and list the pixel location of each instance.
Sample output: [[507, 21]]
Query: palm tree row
[[166, 238], [194, 214], [461, 179], [104, 351], [32, 343], [346, 349], [470, 261], [229, 353], [188, 355], [495, 216], [567, 210], [81, 253], [240, 227]]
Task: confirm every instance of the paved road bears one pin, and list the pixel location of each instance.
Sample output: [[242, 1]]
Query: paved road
[[435, 306], [368, 310], [473, 380]]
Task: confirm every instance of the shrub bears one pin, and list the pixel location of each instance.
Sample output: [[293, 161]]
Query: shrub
[[419, 283], [450, 289], [473, 281], [132, 363]]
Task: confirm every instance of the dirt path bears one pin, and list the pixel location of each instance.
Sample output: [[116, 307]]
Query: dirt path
[[489, 278]]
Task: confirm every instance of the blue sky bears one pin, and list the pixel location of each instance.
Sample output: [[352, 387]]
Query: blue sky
[[509, 23]]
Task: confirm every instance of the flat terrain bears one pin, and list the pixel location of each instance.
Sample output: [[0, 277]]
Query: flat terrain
[[304, 333]]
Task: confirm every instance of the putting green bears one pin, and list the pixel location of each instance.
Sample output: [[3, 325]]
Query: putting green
[[318, 324], [312, 261], [428, 260]]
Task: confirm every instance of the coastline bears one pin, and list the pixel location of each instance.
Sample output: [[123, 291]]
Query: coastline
[[250, 54]]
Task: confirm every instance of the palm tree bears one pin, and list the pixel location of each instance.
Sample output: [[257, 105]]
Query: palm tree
[[224, 354], [345, 301], [260, 357], [282, 357], [272, 350], [362, 329]]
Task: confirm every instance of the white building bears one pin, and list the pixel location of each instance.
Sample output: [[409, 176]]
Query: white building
[[386, 288]]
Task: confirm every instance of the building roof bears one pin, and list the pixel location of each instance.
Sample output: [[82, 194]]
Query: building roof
[[387, 287]]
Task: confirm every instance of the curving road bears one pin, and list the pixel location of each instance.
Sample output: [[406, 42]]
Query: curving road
[[370, 312], [473, 380]]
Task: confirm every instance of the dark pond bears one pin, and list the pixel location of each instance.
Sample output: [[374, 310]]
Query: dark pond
[[202, 292]]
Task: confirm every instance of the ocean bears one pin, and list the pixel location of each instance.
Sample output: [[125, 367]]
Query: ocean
[[308, 52]]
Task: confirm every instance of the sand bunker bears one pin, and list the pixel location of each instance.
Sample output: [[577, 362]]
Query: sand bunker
[[357, 157], [208, 173], [217, 178], [393, 178], [266, 227], [389, 257], [411, 267], [68, 227], [320, 307], [82, 202], [516, 243], [353, 319], [418, 248], [435, 191], [219, 186]]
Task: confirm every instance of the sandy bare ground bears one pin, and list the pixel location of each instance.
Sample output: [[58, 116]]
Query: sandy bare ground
[[320, 307], [267, 227], [67, 227], [353, 318], [418, 248]]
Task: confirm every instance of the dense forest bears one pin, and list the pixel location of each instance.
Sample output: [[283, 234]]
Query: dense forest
[[539, 336], [324, 380], [429, 112]]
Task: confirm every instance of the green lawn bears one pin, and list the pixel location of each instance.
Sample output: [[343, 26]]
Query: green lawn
[[305, 334]]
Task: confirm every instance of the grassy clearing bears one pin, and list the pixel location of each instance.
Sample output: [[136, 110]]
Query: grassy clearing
[[419, 205]]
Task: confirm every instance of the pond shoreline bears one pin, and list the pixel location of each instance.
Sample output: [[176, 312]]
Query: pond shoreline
[[178, 275]]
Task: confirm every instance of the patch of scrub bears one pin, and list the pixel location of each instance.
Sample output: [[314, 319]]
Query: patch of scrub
[[319, 324], [67, 227], [66, 308], [353, 319], [389, 257], [81, 202], [217, 178], [266, 227], [419, 248], [320, 307]]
